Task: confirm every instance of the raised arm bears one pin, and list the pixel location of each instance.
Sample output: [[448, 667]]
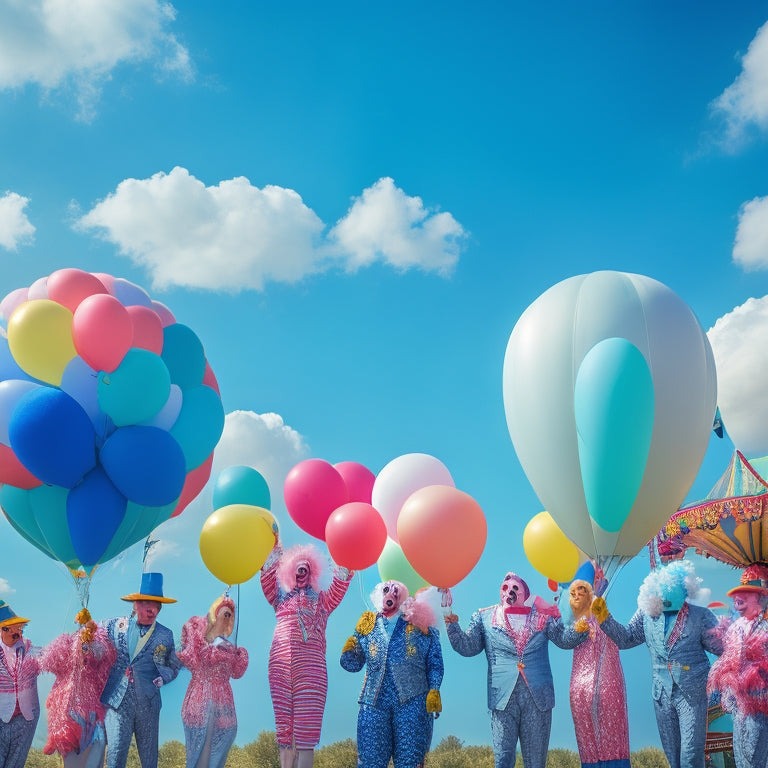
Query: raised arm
[[468, 643]]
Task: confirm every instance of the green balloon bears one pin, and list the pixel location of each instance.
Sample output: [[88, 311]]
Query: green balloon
[[394, 566]]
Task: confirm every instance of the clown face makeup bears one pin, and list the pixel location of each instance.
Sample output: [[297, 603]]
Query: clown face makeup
[[748, 604], [392, 597], [225, 621], [12, 633], [514, 591], [302, 574], [146, 611], [580, 597]]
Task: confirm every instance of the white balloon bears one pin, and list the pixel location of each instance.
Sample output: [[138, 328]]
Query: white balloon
[[542, 360], [399, 479]]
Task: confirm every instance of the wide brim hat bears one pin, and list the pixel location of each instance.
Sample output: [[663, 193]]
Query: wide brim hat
[[8, 617], [151, 589], [754, 579]]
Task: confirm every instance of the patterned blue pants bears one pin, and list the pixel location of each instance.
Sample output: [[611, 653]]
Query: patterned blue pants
[[129, 719], [682, 728], [750, 740], [522, 720], [15, 740]]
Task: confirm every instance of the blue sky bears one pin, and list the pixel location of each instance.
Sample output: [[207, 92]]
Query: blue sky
[[352, 206]]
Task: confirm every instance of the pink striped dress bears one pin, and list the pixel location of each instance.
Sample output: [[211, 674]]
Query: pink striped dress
[[298, 677]]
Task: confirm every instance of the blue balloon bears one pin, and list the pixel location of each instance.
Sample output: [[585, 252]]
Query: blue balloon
[[95, 509], [138, 523], [199, 425], [136, 390], [129, 294], [585, 572], [614, 412], [53, 437], [241, 485], [184, 355], [146, 465]]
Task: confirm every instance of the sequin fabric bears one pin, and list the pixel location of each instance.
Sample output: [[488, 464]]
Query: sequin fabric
[[298, 676], [75, 712], [599, 701], [208, 710]]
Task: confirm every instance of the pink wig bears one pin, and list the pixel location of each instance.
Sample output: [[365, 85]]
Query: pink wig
[[289, 562], [418, 612]]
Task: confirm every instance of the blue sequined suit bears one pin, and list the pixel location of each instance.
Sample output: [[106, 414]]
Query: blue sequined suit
[[393, 721], [521, 694], [133, 700], [678, 646]]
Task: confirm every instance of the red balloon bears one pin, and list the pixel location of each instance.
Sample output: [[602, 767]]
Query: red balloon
[[102, 331], [553, 585], [70, 286], [355, 534], [13, 472], [359, 480], [193, 484], [312, 490], [147, 328], [209, 378], [442, 532]]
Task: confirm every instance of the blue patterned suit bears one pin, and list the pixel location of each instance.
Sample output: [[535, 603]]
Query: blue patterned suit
[[680, 664], [521, 694], [403, 665], [130, 695]]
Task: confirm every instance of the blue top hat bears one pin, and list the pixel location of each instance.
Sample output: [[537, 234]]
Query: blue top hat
[[8, 617], [151, 589]]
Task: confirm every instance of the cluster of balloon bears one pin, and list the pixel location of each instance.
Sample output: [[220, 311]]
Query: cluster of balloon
[[237, 538], [549, 550], [109, 414], [332, 502], [609, 391], [436, 533]]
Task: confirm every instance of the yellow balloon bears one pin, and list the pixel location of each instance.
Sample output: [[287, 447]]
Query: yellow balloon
[[40, 339], [236, 540], [549, 550]]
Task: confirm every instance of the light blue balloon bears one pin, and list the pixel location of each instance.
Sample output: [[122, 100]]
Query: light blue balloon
[[18, 511], [138, 523], [184, 355], [130, 294], [241, 485], [199, 425], [81, 383], [166, 417], [49, 505], [136, 390], [614, 412], [9, 368]]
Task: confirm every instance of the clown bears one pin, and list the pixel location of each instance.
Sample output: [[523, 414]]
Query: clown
[[678, 635], [208, 710], [19, 704], [298, 676], [515, 636], [741, 673], [81, 662], [401, 691]]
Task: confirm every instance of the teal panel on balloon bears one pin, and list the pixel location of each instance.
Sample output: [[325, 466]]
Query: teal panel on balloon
[[49, 505], [614, 412], [184, 355], [199, 425], [241, 485], [18, 511]]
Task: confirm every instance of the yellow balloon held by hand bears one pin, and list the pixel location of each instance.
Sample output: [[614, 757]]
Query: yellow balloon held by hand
[[236, 540], [549, 550], [40, 339]]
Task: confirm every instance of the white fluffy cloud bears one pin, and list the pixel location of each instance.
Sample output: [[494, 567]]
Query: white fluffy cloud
[[745, 101], [77, 43], [15, 227], [262, 441], [741, 360], [5, 587], [235, 236], [750, 249], [384, 223]]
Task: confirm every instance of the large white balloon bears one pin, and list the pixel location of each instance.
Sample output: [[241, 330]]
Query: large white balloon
[[609, 392]]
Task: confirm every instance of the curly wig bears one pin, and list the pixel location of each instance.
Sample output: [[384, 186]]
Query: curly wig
[[290, 560], [676, 579]]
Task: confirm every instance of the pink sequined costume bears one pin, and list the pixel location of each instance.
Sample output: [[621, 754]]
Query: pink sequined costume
[[599, 702], [81, 662], [298, 676], [208, 710]]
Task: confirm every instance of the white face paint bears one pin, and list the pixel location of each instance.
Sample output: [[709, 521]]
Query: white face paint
[[392, 597]]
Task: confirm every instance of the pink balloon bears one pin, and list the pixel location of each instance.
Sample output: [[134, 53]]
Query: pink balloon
[[193, 484], [166, 316], [359, 480], [12, 300], [13, 472], [442, 532], [70, 286], [209, 378], [106, 280], [147, 328], [38, 289], [399, 479], [355, 534], [312, 490], [102, 331]]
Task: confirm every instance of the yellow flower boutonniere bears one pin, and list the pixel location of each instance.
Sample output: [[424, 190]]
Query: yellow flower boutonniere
[[159, 654]]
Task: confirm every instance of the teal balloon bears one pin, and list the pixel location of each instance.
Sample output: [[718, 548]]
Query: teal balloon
[[241, 485], [136, 390], [614, 413], [18, 511], [199, 424], [393, 565], [49, 506], [184, 355], [139, 521]]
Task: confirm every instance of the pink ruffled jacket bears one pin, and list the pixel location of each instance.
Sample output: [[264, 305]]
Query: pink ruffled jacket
[[211, 666], [74, 703]]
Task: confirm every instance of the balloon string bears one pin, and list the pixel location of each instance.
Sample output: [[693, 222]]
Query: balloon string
[[237, 612], [364, 598]]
